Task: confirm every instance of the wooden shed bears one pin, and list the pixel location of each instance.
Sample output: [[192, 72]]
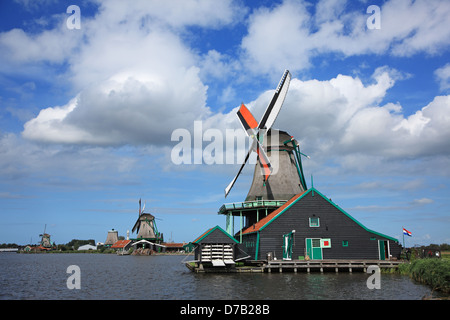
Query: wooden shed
[[311, 226], [216, 248]]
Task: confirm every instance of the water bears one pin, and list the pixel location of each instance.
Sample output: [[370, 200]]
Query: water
[[110, 277]]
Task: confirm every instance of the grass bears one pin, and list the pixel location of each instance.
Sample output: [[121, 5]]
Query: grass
[[430, 271]]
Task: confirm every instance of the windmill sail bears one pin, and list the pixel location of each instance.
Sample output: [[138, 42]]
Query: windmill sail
[[274, 107], [257, 131]]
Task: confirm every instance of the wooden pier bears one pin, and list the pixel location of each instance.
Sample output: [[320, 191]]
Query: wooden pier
[[326, 265], [280, 266]]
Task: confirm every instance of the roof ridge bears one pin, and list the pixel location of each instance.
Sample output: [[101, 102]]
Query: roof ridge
[[261, 223]]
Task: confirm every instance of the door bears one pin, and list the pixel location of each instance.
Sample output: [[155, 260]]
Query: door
[[313, 248], [287, 246], [383, 247]]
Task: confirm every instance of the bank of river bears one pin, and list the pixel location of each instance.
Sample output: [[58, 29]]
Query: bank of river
[[165, 277]]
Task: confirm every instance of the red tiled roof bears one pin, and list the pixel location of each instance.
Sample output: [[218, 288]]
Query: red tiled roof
[[173, 245], [120, 244], [261, 223]]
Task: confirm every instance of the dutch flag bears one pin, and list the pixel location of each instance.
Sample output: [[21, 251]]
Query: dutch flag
[[408, 233]]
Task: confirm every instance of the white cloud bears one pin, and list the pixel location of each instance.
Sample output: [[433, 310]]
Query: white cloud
[[133, 64], [422, 201], [64, 166], [443, 76], [135, 79], [345, 117], [289, 35], [54, 46], [126, 109]]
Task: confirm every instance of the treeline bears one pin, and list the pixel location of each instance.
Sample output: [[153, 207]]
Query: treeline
[[74, 244], [442, 247], [8, 245]]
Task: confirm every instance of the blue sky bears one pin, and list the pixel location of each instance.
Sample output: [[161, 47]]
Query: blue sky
[[87, 115]]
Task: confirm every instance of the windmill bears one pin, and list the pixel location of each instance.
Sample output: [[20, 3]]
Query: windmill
[[111, 238], [278, 153], [145, 227], [45, 240]]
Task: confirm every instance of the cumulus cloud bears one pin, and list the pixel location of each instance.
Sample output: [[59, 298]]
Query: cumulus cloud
[[289, 34], [23, 160], [125, 109], [344, 116], [136, 79]]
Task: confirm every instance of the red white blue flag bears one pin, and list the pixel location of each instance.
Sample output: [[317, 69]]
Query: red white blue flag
[[408, 233]]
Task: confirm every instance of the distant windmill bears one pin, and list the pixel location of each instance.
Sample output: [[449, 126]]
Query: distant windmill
[[145, 227], [45, 239], [111, 238], [274, 149]]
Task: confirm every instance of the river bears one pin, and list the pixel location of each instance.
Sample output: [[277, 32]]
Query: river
[[165, 277]]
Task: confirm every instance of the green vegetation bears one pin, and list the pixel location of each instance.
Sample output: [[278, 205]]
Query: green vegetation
[[431, 271], [74, 244]]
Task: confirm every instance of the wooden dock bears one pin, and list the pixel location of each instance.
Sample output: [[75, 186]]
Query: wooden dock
[[300, 266], [326, 265]]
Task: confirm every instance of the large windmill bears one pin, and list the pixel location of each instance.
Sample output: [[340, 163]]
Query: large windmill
[[278, 173], [278, 154], [145, 227]]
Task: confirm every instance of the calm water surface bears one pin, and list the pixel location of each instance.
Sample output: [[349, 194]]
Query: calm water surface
[[105, 276]]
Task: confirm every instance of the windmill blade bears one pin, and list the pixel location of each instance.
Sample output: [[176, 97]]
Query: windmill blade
[[264, 161], [246, 118], [228, 188], [137, 225], [249, 124], [275, 104]]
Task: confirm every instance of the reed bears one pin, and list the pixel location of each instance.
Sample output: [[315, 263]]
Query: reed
[[433, 272]]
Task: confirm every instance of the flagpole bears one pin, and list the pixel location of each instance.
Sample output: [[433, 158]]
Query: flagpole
[[403, 238]]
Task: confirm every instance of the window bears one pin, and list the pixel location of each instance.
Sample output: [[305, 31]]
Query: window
[[314, 222], [315, 243], [345, 243]]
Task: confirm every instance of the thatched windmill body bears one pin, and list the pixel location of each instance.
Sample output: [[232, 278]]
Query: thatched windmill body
[[111, 238]]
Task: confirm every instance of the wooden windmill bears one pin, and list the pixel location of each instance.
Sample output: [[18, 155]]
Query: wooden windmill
[[278, 153], [145, 227], [45, 240], [278, 173]]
